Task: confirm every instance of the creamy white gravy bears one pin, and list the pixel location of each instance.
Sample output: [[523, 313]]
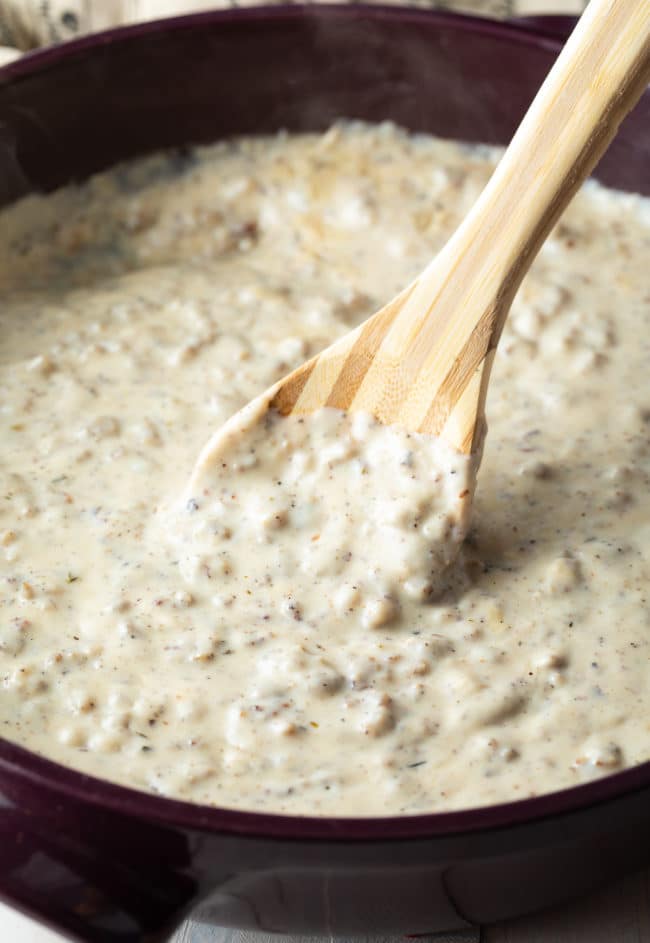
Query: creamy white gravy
[[282, 646]]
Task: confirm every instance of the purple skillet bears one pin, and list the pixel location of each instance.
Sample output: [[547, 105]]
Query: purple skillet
[[104, 863]]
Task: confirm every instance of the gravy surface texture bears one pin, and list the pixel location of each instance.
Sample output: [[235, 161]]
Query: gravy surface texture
[[276, 640]]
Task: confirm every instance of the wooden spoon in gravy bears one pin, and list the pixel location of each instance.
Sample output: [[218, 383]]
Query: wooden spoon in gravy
[[423, 361]]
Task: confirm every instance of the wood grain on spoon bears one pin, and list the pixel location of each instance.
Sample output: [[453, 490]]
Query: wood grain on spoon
[[424, 360]]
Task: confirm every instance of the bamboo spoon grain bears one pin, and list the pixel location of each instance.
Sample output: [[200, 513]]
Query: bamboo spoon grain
[[423, 361]]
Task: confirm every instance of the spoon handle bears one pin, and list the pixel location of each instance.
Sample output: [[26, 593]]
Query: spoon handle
[[432, 363]]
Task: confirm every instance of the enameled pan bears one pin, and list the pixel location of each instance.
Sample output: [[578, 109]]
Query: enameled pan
[[105, 863]]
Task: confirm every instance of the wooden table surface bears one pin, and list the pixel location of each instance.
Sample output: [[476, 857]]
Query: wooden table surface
[[617, 914]]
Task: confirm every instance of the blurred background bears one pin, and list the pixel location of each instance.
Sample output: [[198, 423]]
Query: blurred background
[[28, 24]]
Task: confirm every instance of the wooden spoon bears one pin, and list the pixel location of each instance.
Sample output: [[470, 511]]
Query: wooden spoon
[[423, 361]]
